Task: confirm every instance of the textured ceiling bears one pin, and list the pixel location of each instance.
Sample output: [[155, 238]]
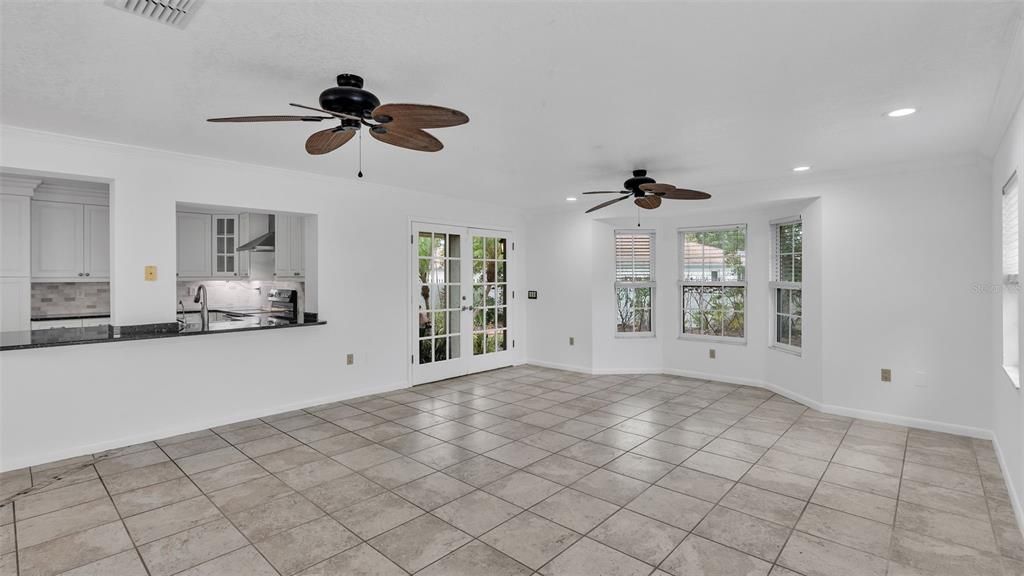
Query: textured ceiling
[[563, 97]]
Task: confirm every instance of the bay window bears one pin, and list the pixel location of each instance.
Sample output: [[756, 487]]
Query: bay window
[[713, 282]]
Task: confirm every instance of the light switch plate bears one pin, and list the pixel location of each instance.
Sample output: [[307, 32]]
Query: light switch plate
[[572, 341], [350, 359], [150, 273], [886, 374], [712, 354]]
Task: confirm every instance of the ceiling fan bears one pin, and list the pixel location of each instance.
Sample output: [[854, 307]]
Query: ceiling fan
[[647, 193], [401, 125]]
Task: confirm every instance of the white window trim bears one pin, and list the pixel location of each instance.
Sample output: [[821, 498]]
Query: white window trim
[[775, 285], [1010, 282], [652, 284], [680, 335]]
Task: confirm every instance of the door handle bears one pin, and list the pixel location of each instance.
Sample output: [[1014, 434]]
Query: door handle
[[465, 308]]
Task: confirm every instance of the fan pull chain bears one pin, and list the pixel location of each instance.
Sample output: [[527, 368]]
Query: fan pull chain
[[637, 216], [360, 174]]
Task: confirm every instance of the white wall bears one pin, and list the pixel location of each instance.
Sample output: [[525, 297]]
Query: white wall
[[1007, 400], [561, 278], [60, 402], [890, 275]]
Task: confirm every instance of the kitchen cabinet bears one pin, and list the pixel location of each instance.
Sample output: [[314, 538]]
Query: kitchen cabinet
[[97, 241], [15, 238], [225, 241], [289, 246], [70, 241], [58, 229], [242, 258], [195, 246], [70, 323], [15, 304]]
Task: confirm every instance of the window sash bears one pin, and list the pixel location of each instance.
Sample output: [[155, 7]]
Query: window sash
[[634, 270], [1011, 231], [705, 285]]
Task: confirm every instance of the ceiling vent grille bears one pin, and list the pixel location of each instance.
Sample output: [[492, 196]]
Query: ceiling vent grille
[[175, 13]]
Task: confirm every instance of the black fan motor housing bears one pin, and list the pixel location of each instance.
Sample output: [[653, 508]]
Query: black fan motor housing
[[349, 97], [633, 184]]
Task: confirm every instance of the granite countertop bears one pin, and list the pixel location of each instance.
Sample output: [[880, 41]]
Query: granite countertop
[[45, 338]]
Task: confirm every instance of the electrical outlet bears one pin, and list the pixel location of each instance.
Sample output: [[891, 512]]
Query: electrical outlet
[[150, 273], [350, 359], [712, 354], [572, 341], [886, 375]]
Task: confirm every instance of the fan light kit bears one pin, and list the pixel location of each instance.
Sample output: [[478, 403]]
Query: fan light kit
[[901, 112], [401, 125], [647, 193]]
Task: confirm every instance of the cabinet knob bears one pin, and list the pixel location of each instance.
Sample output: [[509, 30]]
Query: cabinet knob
[[80, 274], [86, 273], [296, 274]]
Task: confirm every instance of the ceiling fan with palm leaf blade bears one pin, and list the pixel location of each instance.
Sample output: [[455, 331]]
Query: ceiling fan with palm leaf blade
[[402, 125], [647, 193]]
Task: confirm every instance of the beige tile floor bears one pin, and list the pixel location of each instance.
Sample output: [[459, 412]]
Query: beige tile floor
[[521, 471]]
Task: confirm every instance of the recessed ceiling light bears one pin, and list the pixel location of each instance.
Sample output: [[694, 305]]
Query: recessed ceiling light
[[901, 112], [570, 199], [801, 169]]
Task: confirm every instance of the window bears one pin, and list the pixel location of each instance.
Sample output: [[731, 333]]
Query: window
[[1011, 285], [787, 284], [713, 282], [634, 282]]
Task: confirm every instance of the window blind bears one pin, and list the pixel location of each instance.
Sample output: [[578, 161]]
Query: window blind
[[1011, 230], [634, 256]]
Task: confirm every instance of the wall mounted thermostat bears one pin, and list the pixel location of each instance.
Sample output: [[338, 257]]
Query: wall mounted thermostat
[[531, 294]]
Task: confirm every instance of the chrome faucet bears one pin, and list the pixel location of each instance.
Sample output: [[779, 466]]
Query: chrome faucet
[[204, 312]]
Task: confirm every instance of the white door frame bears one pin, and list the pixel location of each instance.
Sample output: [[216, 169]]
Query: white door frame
[[467, 363]]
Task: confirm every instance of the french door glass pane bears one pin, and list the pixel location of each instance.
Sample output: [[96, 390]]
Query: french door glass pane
[[490, 295], [439, 301]]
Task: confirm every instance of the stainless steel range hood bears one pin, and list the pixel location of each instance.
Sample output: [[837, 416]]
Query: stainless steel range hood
[[263, 242]]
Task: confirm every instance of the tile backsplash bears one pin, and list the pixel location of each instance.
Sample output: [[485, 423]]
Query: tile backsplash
[[70, 298], [233, 294]]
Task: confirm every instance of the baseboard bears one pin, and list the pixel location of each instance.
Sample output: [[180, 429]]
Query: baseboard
[[1015, 503], [84, 449], [715, 377], [557, 366]]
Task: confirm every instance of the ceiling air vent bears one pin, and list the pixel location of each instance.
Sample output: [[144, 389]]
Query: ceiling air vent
[[175, 13]]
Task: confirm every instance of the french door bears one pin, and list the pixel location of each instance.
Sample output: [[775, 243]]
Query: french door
[[461, 301]]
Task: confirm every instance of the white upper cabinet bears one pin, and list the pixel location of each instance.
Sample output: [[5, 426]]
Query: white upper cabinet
[[97, 242], [195, 246], [57, 238], [15, 238], [225, 244], [289, 246], [70, 241]]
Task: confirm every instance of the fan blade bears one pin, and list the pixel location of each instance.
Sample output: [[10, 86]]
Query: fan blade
[[609, 192], [270, 119], [608, 203], [419, 115], [335, 114], [406, 137], [657, 188], [671, 192], [648, 202], [684, 194], [328, 140]]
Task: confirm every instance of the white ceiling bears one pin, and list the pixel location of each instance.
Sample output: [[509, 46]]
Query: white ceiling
[[563, 97]]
